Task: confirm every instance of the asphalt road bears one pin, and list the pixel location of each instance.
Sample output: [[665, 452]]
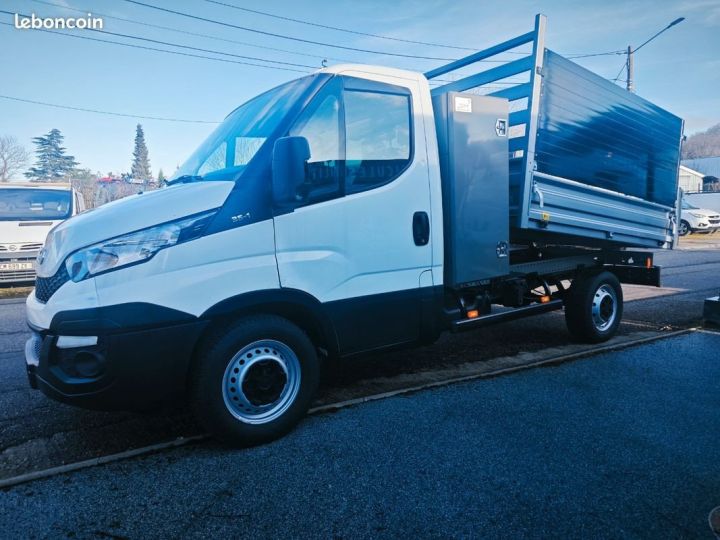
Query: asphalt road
[[619, 445], [36, 433]]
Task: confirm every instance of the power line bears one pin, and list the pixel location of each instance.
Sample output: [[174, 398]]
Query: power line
[[195, 34], [609, 53], [369, 34], [281, 36], [346, 30], [617, 78], [226, 60], [111, 113], [156, 41], [288, 51]]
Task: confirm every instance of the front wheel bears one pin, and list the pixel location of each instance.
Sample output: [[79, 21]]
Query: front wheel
[[254, 380], [594, 306], [683, 228]]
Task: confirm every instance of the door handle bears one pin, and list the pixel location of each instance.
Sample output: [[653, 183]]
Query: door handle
[[421, 228]]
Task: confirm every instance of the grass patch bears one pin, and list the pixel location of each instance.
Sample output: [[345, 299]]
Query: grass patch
[[15, 292]]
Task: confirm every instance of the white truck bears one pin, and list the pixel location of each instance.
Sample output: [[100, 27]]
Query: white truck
[[27, 213], [357, 209]]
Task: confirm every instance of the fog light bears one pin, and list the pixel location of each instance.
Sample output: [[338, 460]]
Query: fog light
[[88, 364], [83, 362]]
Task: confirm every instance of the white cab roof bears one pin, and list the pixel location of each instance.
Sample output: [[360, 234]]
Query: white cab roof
[[360, 69], [38, 185]]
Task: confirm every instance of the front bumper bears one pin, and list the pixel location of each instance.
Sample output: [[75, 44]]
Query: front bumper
[[705, 225], [125, 370]]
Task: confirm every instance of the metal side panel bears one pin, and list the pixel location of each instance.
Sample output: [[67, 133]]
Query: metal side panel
[[604, 163], [563, 207], [594, 132], [472, 141]]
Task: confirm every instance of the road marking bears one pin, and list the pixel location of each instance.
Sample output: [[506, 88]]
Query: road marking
[[183, 441]]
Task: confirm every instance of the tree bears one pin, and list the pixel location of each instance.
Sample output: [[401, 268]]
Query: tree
[[52, 163], [13, 157], [141, 162], [703, 144], [161, 177]]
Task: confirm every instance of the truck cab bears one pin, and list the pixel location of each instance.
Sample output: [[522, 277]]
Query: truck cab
[[349, 211]]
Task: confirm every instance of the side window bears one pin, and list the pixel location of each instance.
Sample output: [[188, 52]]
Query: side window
[[215, 161], [377, 138], [245, 149], [320, 125]]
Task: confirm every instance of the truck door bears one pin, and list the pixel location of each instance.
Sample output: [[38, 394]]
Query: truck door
[[358, 238]]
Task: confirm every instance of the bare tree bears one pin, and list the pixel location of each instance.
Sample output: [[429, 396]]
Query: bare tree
[[13, 157]]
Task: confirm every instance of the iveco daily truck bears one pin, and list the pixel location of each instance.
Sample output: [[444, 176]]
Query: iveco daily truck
[[356, 209]]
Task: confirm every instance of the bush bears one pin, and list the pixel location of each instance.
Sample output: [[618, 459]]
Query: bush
[[96, 194]]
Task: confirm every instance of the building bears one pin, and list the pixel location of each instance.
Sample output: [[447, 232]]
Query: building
[[689, 180], [709, 166]]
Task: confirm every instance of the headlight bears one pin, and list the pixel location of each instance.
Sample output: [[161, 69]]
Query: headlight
[[699, 216], [134, 248]]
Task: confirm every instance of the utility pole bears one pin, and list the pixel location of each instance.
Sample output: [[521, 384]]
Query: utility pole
[[629, 62]]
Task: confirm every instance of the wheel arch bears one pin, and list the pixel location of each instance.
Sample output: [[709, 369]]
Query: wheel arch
[[300, 308]]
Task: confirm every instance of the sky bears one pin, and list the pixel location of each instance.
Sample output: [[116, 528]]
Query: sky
[[680, 70]]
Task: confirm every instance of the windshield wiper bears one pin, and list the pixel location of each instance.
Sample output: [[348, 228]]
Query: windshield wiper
[[185, 179]]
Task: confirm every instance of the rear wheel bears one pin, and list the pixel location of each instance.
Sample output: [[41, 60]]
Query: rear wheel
[[594, 306], [254, 380]]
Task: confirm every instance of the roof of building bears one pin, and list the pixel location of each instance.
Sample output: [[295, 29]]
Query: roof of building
[[709, 166], [690, 171]]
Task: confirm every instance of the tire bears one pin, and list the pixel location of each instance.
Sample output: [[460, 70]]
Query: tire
[[593, 307], [253, 380], [684, 228]]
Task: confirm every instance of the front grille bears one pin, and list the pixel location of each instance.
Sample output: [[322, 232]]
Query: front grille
[[33, 349], [17, 275], [21, 247], [46, 287]]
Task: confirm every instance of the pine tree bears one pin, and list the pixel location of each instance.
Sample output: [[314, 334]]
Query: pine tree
[[161, 177], [52, 163], [141, 162]]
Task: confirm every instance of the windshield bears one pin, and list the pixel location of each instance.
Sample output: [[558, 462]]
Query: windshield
[[687, 206], [229, 148], [35, 204]]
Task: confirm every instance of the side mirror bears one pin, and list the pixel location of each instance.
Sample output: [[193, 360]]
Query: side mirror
[[290, 154]]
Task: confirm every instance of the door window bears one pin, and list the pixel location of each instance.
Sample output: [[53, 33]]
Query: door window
[[377, 135], [320, 125], [359, 139]]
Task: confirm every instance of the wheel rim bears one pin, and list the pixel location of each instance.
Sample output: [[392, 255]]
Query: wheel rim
[[261, 381], [604, 307], [683, 228]]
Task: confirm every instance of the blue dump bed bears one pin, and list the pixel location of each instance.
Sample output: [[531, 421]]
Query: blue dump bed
[[591, 164]]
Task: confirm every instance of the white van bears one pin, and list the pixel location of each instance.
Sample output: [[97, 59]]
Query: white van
[[27, 213]]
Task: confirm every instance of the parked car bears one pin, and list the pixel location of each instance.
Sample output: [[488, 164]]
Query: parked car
[[694, 219], [27, 213]]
